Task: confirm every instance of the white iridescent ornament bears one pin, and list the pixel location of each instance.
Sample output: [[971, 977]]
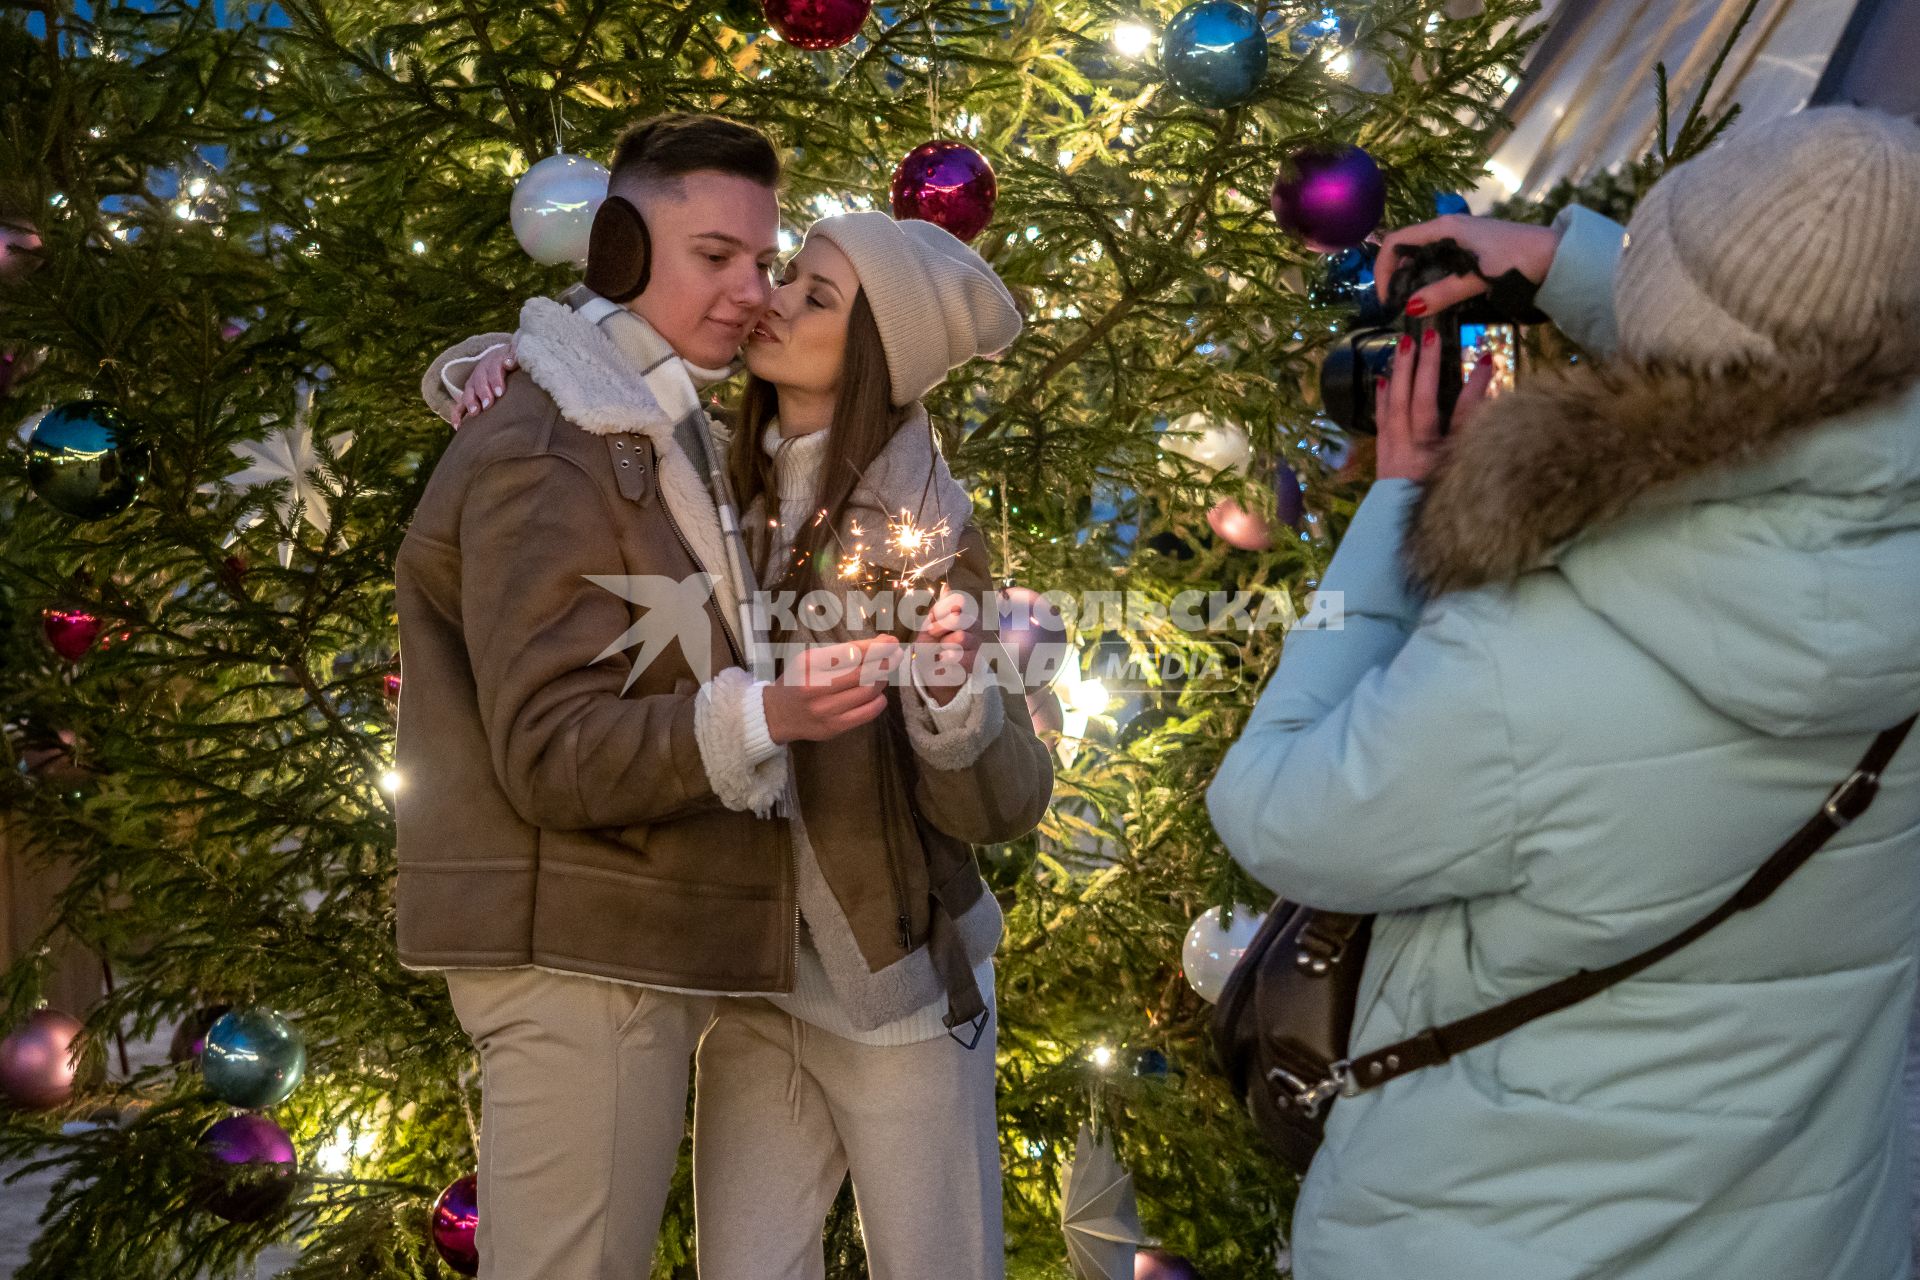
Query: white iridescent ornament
[[1213, 948], [553, 208], [1214, 446]]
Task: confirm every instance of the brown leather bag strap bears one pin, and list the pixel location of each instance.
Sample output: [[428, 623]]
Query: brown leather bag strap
[[1437, 1044]]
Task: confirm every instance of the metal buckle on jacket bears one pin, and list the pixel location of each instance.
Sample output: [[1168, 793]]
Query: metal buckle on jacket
[[1309, 1098], [1851, 798]]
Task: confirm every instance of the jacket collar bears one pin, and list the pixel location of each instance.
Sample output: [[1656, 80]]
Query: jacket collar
[[604, 386], [1570, 451]]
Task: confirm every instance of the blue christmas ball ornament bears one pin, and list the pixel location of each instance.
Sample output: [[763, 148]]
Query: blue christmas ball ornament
[[1215, 53], [86, 460], [254, 1058], [1446, 202]]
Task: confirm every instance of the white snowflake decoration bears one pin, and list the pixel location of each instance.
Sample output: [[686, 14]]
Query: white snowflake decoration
[[287, 455]]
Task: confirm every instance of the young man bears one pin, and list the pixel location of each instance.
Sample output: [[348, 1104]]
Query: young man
[[586, 840]]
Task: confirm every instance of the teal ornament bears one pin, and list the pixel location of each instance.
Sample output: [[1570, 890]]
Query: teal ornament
[[254, 1058], [1215, 53], [85, 460]]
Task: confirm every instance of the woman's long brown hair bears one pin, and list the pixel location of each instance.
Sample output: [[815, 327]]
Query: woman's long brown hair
[[864, 419]]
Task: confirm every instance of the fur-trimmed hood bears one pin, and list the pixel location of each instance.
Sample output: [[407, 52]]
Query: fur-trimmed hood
[[1702, 511]]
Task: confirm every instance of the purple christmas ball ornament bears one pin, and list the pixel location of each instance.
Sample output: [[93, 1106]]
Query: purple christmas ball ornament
[[456, 1225], [1292, 502], [948, 184], [1156, 1264], [1333, 198], [250, 1168]]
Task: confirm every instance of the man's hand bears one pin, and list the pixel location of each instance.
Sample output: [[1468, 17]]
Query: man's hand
[[946, 646], [486, 382], [1500, 246], [829, 688], [1407, 403]]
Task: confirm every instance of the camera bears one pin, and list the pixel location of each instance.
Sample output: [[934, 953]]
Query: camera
[[1348, 373]]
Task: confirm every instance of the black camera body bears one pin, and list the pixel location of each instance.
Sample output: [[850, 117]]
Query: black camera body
[[1348, 374]]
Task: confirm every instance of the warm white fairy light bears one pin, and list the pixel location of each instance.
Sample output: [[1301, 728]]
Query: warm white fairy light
[[1131, 39], [1102, 1056], [337, 1154], [390, 781]]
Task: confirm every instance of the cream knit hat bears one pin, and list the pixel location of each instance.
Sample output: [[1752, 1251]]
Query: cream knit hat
[[937, 302], [1796, 230]]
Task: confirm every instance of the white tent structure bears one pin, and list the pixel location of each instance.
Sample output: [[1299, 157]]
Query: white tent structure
[[1587, 100]]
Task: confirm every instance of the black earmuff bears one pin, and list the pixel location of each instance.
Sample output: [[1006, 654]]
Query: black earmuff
[[619, 251]]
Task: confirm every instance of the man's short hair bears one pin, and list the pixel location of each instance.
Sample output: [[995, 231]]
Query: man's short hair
[[673, 146]]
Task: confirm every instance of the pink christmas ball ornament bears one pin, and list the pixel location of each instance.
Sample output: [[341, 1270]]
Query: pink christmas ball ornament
[[1239, 527], [37, 1060]]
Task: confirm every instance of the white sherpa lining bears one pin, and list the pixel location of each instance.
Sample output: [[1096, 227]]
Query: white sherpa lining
[[958, 746], [719, 719], [596, 389]]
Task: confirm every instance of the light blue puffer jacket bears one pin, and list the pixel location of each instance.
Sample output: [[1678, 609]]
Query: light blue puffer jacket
[[1531, 779]]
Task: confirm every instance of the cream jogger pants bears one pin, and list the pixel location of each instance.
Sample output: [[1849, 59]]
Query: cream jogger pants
[[784, 1111], [584, 1105]]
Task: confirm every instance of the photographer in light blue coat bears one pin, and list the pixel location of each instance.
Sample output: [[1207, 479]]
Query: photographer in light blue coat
[[1606, 645]]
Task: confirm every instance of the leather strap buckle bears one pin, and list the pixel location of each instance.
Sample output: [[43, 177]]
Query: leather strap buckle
[[1309, 1098], [1851, 798]]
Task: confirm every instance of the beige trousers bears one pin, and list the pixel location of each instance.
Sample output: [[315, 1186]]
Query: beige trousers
[[784, 1111], [584, 1105]]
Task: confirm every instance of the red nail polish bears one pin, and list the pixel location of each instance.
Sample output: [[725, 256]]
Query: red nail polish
[[1485, 359], [1406, 343], [1417, 308], [1432, 336], [1379, 384]]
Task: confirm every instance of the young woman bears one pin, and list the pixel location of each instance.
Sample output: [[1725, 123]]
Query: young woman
[[880, 1061]]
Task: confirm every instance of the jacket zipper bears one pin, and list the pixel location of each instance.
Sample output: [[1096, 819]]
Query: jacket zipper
[[902, 918]]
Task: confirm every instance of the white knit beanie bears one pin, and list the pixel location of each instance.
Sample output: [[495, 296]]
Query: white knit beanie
[[937, 303], [1800, 230]]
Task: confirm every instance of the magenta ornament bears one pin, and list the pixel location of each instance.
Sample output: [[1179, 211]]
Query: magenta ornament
[[250, 1167], [456, 1225], [816, 24], [71, 632], [1034, 634], [36, 1060], [1331, 197], [1239, 527], [948, 184], [1157, 1264]]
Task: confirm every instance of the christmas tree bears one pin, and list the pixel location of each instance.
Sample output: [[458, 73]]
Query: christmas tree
[[240, 231]]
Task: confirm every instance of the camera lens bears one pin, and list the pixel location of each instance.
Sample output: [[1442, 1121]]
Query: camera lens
[[1347, 376]]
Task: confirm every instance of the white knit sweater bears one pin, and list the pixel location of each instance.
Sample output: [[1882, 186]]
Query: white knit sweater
[[796, 464]]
